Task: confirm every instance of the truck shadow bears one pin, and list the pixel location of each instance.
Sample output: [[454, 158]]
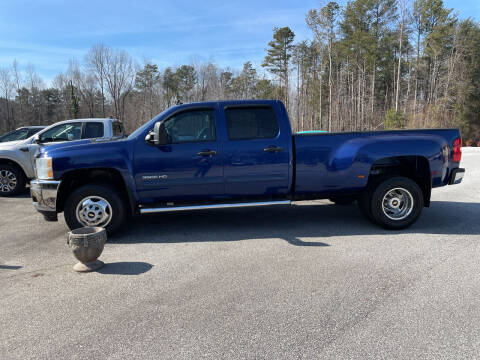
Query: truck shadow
[[23, 195], [293, 224], [10, 267]]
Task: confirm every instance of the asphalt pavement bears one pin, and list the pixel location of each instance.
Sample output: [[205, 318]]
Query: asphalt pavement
[[310, 281]]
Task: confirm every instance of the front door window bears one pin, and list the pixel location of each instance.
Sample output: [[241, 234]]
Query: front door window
[[62, 132], [191, 126]]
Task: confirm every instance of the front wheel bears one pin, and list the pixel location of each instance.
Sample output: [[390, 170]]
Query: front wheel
[[95, 205], [396, 203], [12, 180]]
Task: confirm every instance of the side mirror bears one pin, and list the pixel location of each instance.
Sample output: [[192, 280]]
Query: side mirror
[[36, 139], [150, 138], [160, 136]]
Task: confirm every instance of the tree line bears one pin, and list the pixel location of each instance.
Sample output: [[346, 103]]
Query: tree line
[[369, 65]]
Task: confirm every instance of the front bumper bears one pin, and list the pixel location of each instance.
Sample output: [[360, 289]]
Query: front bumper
[[44, 196], [456, 176]]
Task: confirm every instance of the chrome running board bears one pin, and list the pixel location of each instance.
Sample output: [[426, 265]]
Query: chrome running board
[[213, 206]]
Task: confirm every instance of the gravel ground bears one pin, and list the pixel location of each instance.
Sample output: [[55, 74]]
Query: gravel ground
[[311, 281]]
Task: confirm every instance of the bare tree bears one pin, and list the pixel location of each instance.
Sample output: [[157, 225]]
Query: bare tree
[[96, 61], [323, 24], [35, 84], [403, 17], [207, 80], [119, 77], [34, 80], [17, 80], [6, 87]]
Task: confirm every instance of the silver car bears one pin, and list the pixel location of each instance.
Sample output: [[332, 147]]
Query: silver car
[[17, 157]]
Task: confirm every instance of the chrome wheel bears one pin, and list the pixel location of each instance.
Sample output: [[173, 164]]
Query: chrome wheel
[[94, 211], [8, 181], [397, 204]]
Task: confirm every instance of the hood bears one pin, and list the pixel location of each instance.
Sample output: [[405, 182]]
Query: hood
[[78, 144], [9, 145]]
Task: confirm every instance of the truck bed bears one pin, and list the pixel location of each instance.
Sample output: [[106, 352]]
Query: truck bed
[[341, 162]]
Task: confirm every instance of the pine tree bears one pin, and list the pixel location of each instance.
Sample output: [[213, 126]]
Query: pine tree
[[186, 76], [278, 56], [243, 85], [145, 82], [74, 107]]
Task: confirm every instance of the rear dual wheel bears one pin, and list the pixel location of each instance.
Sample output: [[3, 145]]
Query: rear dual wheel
[[395, 203]]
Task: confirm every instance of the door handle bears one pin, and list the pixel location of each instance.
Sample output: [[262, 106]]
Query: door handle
[[207, 153], [24, 149], [272, 149]]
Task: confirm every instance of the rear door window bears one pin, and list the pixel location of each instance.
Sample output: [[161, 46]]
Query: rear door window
[[33, 131], [93, 130], [117, 128], [247, 123]]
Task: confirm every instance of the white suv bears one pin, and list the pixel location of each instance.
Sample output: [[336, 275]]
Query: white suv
[[17, 157]]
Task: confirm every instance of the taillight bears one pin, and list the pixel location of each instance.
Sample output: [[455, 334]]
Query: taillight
[[457, 150]]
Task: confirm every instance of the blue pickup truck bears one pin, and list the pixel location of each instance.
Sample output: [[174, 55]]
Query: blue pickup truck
[[226, 154]]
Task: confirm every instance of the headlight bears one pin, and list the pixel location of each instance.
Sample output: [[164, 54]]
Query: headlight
[[43, 168]]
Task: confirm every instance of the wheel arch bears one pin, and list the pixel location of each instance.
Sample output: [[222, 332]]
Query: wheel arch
[[415, 167], [7, 161], [76, 178]]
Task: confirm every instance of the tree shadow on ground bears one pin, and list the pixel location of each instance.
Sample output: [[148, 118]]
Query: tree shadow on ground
[[291, 223]]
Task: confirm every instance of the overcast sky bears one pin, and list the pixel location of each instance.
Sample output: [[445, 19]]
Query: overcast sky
[[47, 33]]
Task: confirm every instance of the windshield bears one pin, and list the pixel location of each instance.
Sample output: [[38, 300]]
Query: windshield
[[147, 125], [19, 134]]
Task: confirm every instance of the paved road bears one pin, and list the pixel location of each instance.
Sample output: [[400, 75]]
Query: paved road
[[313, 281]]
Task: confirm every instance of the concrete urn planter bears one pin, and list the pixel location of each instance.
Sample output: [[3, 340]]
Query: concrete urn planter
[[87, 245]]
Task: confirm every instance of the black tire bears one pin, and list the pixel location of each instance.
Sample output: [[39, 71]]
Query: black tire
[[115, 201], [15, 173], [407, 195], [342, 200]]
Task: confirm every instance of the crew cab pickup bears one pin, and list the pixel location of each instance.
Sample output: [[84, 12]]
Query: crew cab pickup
[[17, 157], [242, 153]]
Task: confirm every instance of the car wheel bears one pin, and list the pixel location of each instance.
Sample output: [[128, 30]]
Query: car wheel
[[12, 180], [396, 203], [95, 205]]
